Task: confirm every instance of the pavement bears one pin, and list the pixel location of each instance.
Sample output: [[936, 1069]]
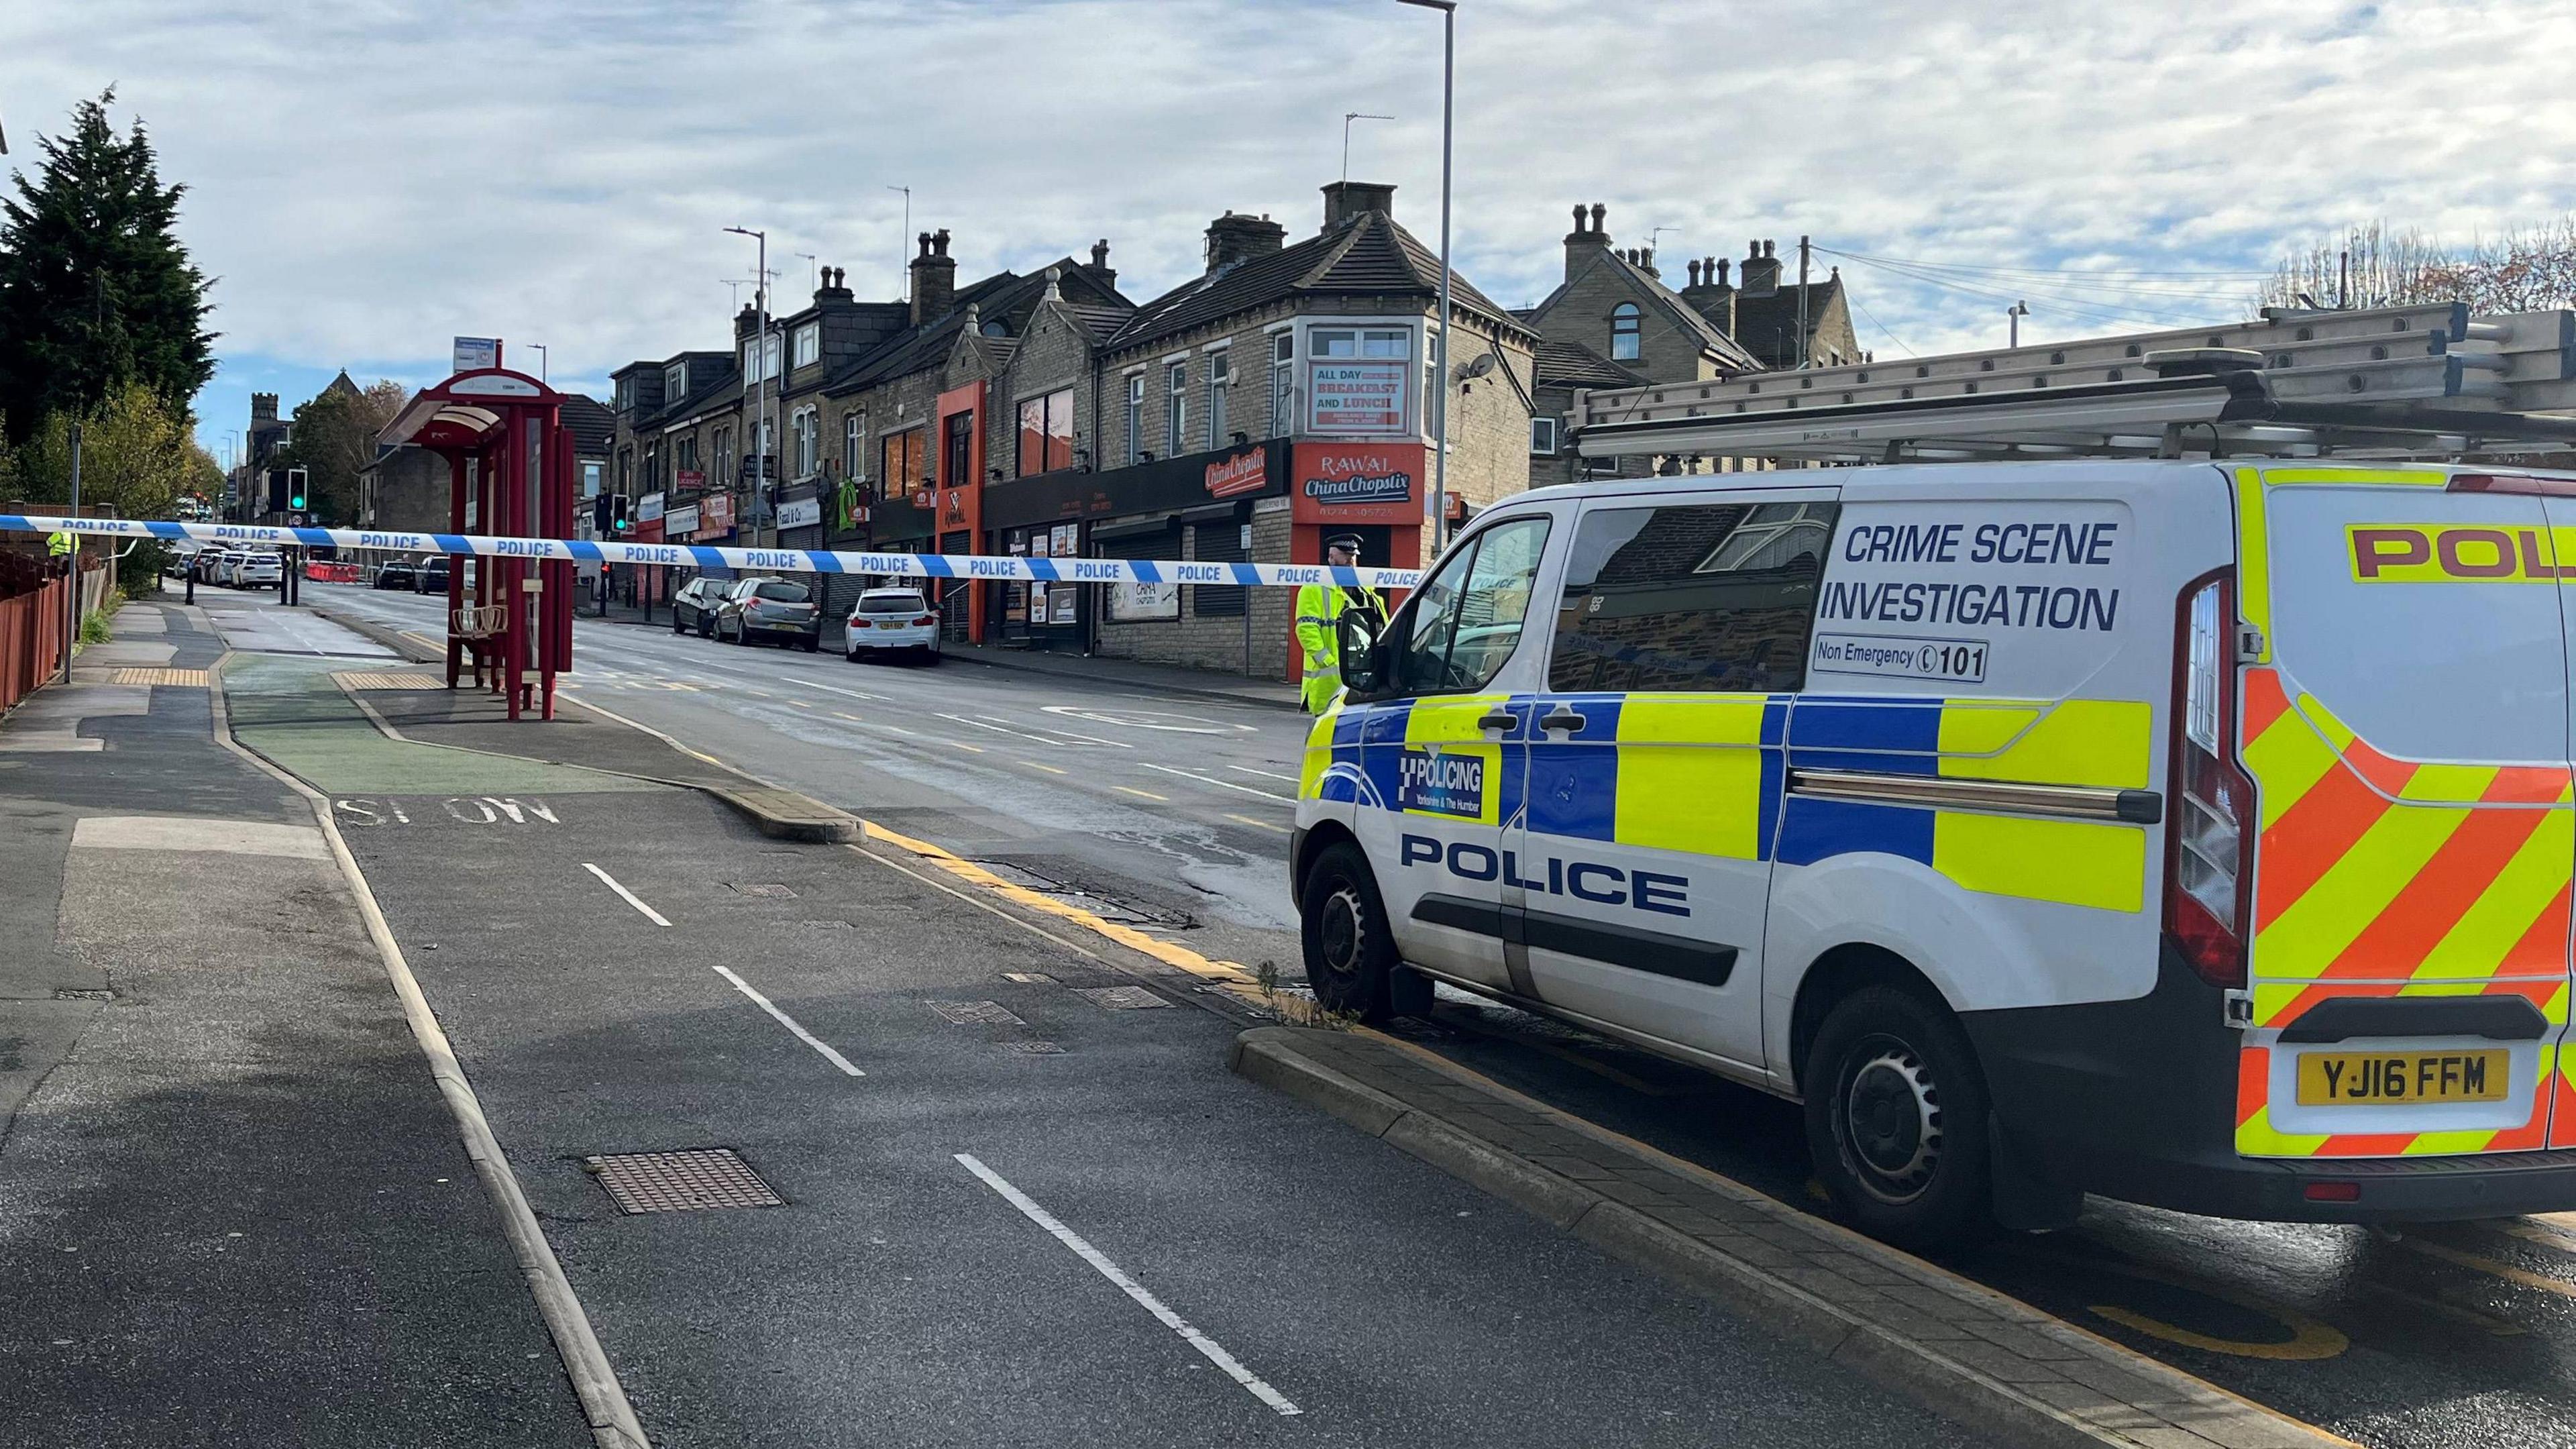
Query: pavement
[[233, 1207]]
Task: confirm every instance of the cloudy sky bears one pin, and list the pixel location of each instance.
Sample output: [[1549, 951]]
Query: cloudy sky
[[371, 177]]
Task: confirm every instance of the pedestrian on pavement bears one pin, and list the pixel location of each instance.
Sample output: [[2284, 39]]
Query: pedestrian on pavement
[[1319, 612]]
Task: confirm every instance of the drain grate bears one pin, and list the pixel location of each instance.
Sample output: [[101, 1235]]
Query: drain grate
[[1120, 998], [679, 1182], [975, 1013], [764, 890], [1029, 978]]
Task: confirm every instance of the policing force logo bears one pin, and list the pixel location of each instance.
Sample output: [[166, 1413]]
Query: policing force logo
[[1441, 784]]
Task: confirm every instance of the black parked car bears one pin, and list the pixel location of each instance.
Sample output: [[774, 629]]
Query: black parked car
[[431, 576], [396, 575], [777, 611], [693, 608]]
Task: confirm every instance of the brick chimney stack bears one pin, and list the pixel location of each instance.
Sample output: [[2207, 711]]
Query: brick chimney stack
[[1100, 268], [934, 278], [1581, 243], [1761, 270], [1347, 201], [1232, 239], [1709, 294]]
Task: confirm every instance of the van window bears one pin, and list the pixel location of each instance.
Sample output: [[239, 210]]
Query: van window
[[1467, 620], [1715, 596]]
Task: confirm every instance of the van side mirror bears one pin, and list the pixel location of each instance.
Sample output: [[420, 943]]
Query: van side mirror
[[1357, 641]]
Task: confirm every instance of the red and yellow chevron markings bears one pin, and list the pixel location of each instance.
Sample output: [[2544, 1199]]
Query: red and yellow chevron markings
[[2377, 876]]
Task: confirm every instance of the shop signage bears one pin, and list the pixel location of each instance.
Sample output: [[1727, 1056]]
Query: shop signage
[[1239, 473], [715, 515], [1143, 603], [1362, 398], [800, 512], [648, 508], [689, 478], [1357, 483], [1165, 484], [681, 522], [473, 354]]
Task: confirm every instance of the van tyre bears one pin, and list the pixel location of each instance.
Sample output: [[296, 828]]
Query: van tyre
[[1350, 954], [1897, 1118]]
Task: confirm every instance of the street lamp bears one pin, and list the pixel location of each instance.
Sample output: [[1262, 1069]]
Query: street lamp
[[760, 351], [1440, 413], [2013, 314], [541, 359]]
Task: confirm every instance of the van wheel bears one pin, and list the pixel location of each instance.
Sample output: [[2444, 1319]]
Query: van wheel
[[1896, 1120], [1350, 955]]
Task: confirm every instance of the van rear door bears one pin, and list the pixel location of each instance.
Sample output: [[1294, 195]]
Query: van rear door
[[2405, 719]]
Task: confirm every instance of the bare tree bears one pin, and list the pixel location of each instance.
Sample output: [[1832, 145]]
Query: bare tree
[[2526, 269]]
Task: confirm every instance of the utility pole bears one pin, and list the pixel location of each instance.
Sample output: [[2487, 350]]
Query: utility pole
[[1806, 349]]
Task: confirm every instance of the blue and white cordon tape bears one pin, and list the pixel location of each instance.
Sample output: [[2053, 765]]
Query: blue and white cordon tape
[[760, 560]]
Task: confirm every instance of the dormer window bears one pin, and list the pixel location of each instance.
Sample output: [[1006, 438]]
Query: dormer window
[[1625, 332], [675, 383]]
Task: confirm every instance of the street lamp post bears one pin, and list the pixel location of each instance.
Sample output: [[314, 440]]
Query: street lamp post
[[760, 351], [2013, 315], [541, 359], [1440, 400]]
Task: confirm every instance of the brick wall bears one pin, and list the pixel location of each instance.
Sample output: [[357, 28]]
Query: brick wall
[[1217, 641]]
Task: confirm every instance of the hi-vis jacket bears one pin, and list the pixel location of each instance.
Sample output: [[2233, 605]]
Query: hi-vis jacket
[[2229, 807], [1319, 609]]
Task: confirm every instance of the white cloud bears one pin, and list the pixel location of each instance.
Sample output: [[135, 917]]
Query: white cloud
[[369, 177]]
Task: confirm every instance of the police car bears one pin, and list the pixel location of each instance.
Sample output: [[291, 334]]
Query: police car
[[2193, 834]]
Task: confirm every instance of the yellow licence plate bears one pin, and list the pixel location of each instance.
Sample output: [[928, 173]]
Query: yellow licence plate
[[2352, 1079]]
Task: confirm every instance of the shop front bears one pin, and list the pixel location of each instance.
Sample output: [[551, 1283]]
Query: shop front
[[1199, 506]]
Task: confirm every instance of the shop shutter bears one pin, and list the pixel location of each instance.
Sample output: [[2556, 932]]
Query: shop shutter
[[1220, 542]]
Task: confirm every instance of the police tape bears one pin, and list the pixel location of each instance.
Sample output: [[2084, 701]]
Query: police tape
[[1000, 567]]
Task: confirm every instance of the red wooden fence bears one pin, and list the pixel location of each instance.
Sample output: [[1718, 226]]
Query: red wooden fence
[[31, 626]]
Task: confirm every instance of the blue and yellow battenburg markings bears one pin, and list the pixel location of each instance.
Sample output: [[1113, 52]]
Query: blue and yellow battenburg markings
[[1705, 774]]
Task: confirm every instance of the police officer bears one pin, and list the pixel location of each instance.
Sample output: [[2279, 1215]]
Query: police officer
[[58, 550], [1319, 611]]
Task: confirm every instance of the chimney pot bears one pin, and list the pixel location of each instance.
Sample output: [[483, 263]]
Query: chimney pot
[[1578, 216], [1232, 238], [1598, 212], [939, 241], [1721, 265], [1694, 271]]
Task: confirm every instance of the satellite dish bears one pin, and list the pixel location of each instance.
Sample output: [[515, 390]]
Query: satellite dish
[[1478, 368]]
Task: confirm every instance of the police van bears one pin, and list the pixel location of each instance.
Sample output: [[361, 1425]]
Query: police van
[[2195, 834]]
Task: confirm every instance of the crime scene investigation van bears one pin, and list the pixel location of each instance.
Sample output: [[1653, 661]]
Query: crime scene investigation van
[[2196, 834]]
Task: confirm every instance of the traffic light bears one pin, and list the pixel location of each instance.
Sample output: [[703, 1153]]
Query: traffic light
[[295, 489], [620, 518], [608, 515]]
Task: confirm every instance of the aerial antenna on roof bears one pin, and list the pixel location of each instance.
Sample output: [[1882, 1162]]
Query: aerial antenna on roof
[[1347, 118], [903, 243]]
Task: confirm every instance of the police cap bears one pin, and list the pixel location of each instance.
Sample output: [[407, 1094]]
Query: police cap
[[1350, 541]]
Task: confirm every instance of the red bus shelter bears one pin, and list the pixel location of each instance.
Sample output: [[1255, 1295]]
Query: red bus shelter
[[511, 475]]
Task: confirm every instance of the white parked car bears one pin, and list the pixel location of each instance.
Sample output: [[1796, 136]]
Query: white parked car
[[256, 569], [888, 619], [226, 563]]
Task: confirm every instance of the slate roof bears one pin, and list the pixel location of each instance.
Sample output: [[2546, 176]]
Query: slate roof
[[1370, 256], [1768, 325], [592, 423], [1571, 364], [1001, 295]]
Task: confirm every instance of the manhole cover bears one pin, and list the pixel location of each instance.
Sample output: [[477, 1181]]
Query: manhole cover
[[975, 1013], [1121, 998], [764, 890], [1033, 1048], [1029, 978], [677, 1182]]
